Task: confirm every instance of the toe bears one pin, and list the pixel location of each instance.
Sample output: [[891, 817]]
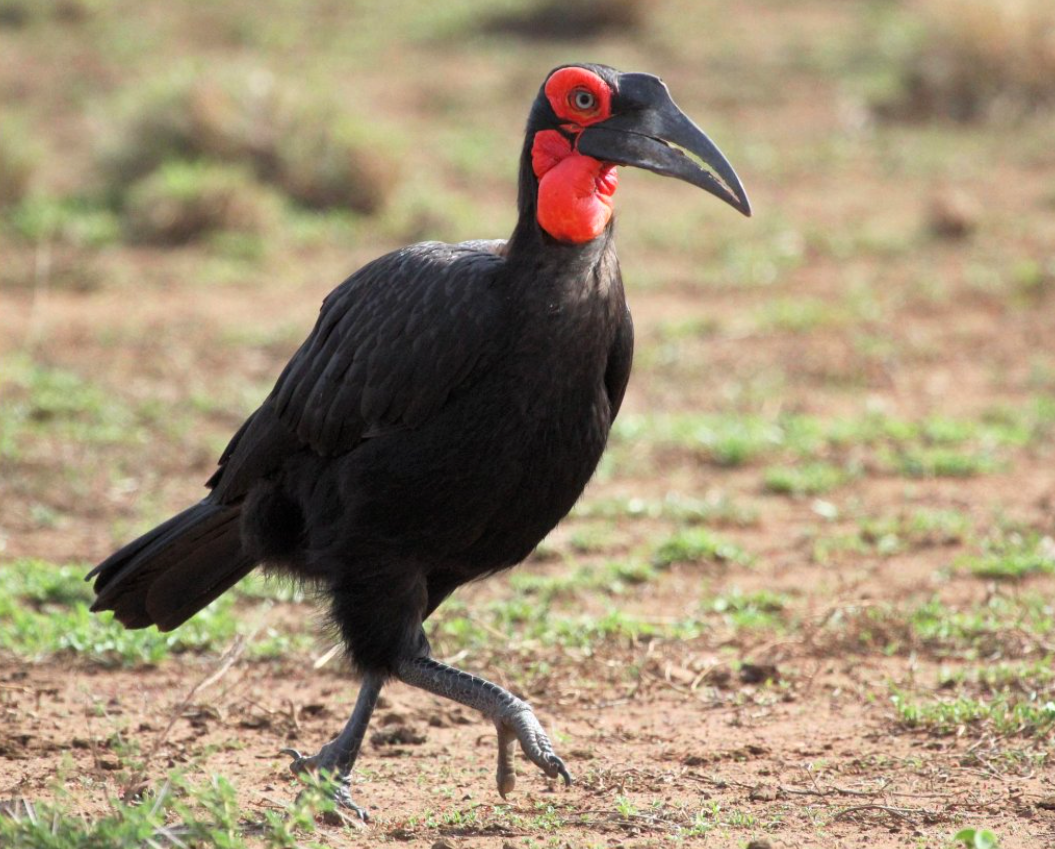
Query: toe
[[507, 783], [299, 765], [560, 769], [344, 800]]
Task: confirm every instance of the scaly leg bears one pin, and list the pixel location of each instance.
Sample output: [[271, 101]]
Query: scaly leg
[[513, 718], [337, 757]]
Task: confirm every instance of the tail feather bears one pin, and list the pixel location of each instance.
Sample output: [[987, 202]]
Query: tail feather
[[170, 573]]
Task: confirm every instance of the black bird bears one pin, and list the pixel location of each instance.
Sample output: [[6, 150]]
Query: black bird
[[443, 416]]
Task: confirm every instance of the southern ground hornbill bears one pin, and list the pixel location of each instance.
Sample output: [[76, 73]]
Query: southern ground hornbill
[[444, 414]]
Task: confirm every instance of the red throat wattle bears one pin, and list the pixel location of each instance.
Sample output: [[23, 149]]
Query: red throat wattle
[[575, 192]]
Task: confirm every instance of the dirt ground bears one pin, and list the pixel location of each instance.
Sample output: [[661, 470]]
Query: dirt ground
[[836, 302]]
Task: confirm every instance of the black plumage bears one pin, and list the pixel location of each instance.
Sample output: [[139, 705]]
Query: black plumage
[[445, 413]]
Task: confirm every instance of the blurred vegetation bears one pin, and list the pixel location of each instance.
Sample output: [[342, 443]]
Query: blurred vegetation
[[176, 813], [17, 161], [570, 20], [44, 608], [181, 201], [304, 145], [20, 13], [979, 58]]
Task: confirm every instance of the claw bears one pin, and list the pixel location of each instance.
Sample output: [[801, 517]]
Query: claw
[[344, 800], [507, 773], [523, 726], [297, 767], [561, 770]]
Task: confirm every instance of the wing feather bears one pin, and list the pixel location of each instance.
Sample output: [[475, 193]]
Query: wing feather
[[390, 345]]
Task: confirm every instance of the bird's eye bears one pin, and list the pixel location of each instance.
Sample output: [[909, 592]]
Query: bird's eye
[[583, 100]]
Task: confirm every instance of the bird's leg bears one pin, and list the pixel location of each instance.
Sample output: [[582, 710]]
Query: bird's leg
[[335, 760], [513, 718]]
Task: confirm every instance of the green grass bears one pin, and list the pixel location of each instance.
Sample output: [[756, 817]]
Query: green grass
[[697, 545], [44, 608], [927, 461], [813, 478], [1012, 556], [177, 814], [999, 628], [245, 118], [611, 579], [75, 221], [929, 447], [183, 201], [1004, 714], [761, 610], [888, 535], [800, 315], [677, 821], [548, 612], [596, 537], [727, 440], [718, 510], [993, 678], [45, 401]]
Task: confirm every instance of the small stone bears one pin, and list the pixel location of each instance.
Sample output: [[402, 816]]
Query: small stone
[[953, 215], [758, 673], [315, 710], [764, 793], [443, 843], [393, 735], [759, 844]]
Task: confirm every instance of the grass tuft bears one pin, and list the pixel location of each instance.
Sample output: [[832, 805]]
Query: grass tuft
[[809, 479], [41, 400], [1012, 557], [17, 162], [1005, 714], [309, 148], [979, 58], [44, 608], [178, 814], [697, 545], [183, 201]]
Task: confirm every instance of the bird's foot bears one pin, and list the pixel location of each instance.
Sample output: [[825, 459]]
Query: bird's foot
[[323, 770], [515, 723]]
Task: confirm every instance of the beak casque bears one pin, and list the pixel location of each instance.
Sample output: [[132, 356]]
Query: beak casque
[[654, 134]]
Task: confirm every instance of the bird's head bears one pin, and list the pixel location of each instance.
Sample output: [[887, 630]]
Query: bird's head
[[587, 120]]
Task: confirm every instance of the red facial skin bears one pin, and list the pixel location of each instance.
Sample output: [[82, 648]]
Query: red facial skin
[[575, 191]]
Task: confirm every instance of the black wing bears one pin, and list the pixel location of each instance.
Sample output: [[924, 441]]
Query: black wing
[[620, 359], [390, 345]]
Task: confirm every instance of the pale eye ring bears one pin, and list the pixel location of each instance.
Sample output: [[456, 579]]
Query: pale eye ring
[[583, 100]]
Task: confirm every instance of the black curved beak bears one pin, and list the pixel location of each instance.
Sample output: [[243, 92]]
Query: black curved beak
[[651, 132]]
